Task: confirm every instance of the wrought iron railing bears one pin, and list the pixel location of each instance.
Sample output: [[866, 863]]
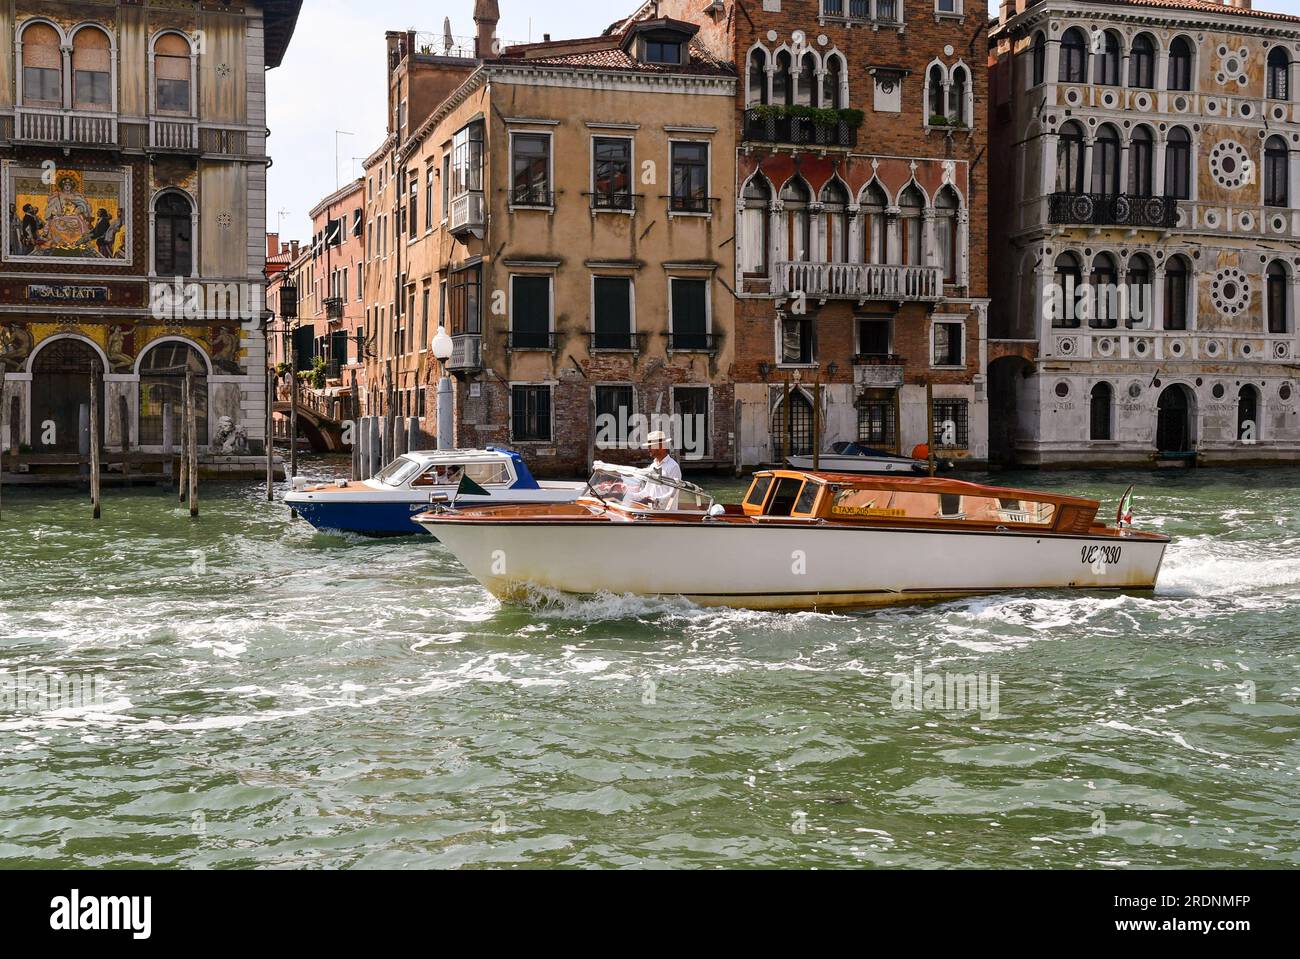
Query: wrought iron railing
[[616, 342], [692, 342], [764, 126], [532, 340], [1112, 209]]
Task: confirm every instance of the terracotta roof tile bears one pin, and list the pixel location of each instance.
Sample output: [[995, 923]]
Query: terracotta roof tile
[[615, 58], [1203, 6]]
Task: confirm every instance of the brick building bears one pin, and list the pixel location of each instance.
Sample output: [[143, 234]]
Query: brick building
[[861, 216]]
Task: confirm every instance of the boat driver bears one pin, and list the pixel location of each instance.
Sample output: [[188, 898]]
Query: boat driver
[[662, 497]]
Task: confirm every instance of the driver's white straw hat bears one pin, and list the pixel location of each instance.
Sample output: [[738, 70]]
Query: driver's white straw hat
[[657, 438]]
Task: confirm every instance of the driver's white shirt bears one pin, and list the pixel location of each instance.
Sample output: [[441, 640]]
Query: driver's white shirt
[[665, 496]]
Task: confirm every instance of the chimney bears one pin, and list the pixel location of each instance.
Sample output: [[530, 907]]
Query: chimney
[[293, 248], [272, 244], [284, 248], [487, 14]]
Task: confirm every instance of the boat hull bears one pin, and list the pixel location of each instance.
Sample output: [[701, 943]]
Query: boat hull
[[787, 567], [868, 465], [393, 515]]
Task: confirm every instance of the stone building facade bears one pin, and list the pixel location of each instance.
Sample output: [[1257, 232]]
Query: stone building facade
[[564, 213], [133, 140], [862, 203], [1152, 148]]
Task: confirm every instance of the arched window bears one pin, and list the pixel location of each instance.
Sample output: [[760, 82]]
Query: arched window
[[42, 66], [1279, 74], [835, 220], [1178, 165], [1277, 177], [1101, 403], [1038, 59], [934, 89], [1067, 279], [1105, 161], [173, 243], [783, 80], [1104, 280], [874, 225], [1139, 305], [1142, 62], [1106, 63], [1074, 57], [171, 68], [755, 227], [1277, 300], [1180, 64], [806, 88], [1141, 154], [795, 198], [757, 90], [162, 384], [945, 232], [1069, 159], [92, 70], [957, 97], [833, 84], [1248, 414], [1176, 290], [910, 204], [792, 432]]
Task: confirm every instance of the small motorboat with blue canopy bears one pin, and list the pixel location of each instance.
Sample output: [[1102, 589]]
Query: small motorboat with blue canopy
[[413, 483]]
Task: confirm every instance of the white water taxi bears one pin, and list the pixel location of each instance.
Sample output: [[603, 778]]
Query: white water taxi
[[385, 504], [855, 458], [799, 541]]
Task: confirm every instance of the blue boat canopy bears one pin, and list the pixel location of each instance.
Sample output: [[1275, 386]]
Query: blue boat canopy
[[523, 475]]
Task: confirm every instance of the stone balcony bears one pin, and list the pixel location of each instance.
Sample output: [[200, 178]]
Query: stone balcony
[[1118, 209], [1172, 346], [859, 281], [81, 128], [468, 214]]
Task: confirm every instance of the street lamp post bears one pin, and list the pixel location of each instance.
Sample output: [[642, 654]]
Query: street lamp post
[[443, 347]]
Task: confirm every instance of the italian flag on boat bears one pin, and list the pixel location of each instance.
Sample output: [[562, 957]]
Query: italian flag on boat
[[1125, 515]]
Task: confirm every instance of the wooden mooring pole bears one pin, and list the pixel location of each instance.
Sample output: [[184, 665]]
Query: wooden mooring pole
[[4, 432], [182, 466], [270, 426], [95, 385], [193, 430]]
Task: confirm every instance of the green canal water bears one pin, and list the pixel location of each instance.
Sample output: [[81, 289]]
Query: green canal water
[[265, 696]]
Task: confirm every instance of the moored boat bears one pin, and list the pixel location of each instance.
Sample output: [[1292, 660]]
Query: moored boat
[[855, 458], [385, 504], [799, 540]]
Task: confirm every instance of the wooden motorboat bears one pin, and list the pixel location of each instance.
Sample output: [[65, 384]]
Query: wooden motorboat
[[799, 541]]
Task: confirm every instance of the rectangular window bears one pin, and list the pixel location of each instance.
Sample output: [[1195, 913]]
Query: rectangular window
[[466, 299], [948, 342], [614, 402], [413, 216], [657, 51], [612, 173], [530, 414], [42, 85], [612, 314], [797, 346], [691, 405], [173, 84], [690, 178], [530, 164], [446, 186], [467, 161], [428, 198], [873, 338], [951, 424], [530, 312], [878, 420], [91, 89], [424, 319], [690, 315]]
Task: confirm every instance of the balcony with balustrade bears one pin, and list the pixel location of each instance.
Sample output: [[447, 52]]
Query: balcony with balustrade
[[466, 353], [86, 129], [173, 136], [468, 214], [770, 125], [859, 281], [1115, 209], [875, 13]]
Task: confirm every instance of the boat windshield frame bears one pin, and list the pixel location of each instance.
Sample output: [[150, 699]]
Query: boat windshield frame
[[626, 498], [400, 472]]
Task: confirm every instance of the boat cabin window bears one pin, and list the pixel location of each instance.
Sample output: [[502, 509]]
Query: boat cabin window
[[758, 491], [784, 499], [399, 472], [489, 474], [807, 499], [444, 475], [907, 504]]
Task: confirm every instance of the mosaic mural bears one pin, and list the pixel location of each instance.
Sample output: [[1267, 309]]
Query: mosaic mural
[[67, 214]]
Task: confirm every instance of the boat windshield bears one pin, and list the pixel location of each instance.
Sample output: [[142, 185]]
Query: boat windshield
[[399, 472], [645, 489]]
